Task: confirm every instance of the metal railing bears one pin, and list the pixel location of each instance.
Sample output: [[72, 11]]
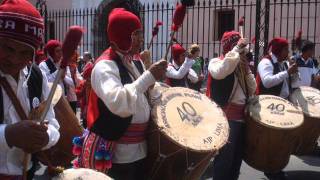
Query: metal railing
[[204, 23]]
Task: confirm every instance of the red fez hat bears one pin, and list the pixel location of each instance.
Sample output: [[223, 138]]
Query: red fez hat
[[121, 25], [277, 44], [176, 51], [50, 46], [229, 40]]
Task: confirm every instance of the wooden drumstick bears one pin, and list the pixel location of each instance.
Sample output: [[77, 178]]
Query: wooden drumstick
[[242, 74], [170, 44], [178, 17], [155, 32], [70, 44]]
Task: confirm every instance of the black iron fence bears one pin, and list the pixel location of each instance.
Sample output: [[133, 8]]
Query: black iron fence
[[204, 23]]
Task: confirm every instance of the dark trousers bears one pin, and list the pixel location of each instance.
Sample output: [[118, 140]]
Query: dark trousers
[[73, 105], [35, 166], [131, 171], [226, 165]]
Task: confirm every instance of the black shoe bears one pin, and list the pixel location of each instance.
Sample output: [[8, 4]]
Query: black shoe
[[277, 176]]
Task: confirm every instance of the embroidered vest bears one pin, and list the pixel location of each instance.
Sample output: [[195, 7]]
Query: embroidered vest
[[275, 90], [101, 120], [177, 82], [34, 89]]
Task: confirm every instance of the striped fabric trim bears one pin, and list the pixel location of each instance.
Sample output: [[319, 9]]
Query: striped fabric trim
[[22, 16], [135, 134], [234, 111], [90, 146]]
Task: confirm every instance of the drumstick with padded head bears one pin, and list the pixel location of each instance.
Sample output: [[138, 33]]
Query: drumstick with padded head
[[155, 32], [70, 44], [241, 24], [178, 17], [242, 79]]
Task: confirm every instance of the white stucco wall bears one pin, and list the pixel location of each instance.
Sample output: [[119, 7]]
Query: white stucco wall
[[56, 4]]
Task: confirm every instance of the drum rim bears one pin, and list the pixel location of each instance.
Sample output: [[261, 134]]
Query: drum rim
[[248, 114], [216, 147]]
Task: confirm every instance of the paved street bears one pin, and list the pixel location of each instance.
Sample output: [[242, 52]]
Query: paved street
[[299, 168]]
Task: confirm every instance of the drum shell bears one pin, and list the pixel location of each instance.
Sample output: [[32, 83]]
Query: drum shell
[[173, 167], [307, 136], [61, 153], [267, 149]]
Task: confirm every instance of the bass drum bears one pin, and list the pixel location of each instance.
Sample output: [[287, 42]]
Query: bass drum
[[61, 153], [186, 132], [309, 100], [271, 122]]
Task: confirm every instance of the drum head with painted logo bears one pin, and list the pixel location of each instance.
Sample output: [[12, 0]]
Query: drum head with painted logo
[[275, 112], [309, 100], [191, 120]]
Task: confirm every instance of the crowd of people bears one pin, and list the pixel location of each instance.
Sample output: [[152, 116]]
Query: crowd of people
[[112, 91]]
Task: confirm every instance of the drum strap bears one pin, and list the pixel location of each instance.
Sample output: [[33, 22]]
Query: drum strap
[[14, 99]]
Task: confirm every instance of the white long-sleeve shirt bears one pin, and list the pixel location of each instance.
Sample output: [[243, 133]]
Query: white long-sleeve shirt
[[51, 77], [124, 101], [11, 158], [265, 69], [220, 69], [182, 71], [306, 70], [71, 92]]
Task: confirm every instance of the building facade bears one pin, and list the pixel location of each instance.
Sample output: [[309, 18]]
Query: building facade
[[204, 23]]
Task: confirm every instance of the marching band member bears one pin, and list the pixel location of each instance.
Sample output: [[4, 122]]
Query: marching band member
[[179, 71], [19, 38], [227, 90], [197, 67], [274, 77], [118, 110], [274, 72], [50, 67], [307, 65]]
